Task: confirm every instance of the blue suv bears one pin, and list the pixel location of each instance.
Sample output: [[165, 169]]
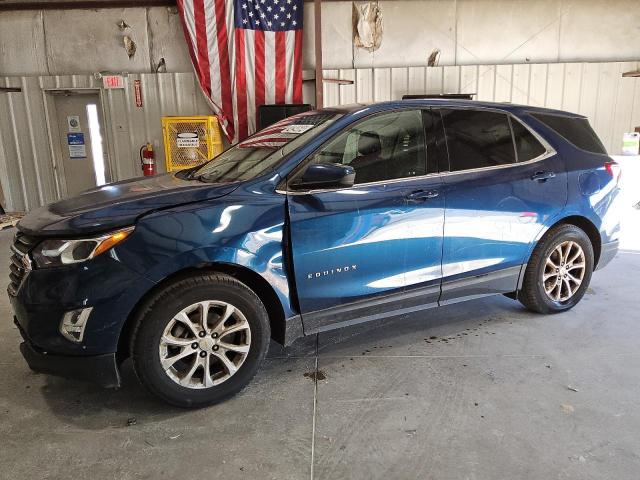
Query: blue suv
[[325, 219]]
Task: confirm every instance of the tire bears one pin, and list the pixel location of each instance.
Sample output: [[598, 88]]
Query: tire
[[170, 325], [541, 276]]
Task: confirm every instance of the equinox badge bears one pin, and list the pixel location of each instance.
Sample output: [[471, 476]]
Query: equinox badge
[[333, 271]]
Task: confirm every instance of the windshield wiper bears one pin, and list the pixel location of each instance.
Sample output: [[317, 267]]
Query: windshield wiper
[[192, 175]]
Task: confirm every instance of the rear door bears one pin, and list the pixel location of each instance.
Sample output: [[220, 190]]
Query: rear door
[[355, 250], [504, 183]]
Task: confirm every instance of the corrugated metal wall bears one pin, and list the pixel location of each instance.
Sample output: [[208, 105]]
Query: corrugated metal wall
[[28, 159], [596, 90], [28, 156]]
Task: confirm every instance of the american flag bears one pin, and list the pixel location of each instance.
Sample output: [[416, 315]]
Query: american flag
[[245, 53]]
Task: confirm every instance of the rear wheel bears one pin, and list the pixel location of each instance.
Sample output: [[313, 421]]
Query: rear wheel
[[200, 340], [559, 271]]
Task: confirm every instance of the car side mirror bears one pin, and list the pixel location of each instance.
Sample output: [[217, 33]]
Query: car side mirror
[[325, 175]]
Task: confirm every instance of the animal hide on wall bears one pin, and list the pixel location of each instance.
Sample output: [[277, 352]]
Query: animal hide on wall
[[367, 26]]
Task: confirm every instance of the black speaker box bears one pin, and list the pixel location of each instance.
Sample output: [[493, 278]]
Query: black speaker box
[[269, 114]]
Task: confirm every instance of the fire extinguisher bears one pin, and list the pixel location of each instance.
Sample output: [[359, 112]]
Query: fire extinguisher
[[147, 160]]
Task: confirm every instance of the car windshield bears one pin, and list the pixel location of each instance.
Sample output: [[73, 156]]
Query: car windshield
[[263, 150]]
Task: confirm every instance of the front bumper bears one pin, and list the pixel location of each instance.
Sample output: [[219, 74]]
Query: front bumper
[[104, 284], [100, 369]]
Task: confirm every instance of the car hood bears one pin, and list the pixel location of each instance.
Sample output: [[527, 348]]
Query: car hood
[[117, 205]]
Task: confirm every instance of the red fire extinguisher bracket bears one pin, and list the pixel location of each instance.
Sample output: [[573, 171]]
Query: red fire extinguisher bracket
[[147, 160]]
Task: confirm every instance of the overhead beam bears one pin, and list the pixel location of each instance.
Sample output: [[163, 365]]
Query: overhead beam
[[88, 4], [80, 4]]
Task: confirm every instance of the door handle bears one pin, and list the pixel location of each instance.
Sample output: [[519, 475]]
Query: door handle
[[542, 176], [422, 195]]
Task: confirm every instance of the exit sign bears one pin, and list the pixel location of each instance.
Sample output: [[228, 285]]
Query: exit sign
[[112, 81]]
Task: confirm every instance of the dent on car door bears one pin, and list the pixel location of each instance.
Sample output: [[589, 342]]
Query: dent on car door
[[500, 192], [352, 247]]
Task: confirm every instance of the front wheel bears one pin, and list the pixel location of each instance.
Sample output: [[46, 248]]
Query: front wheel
[[559, 271], [200, 340]]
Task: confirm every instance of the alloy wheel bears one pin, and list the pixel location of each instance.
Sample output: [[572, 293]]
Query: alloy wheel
[[564, 271], [205, 344]]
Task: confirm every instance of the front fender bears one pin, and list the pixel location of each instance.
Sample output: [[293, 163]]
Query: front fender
[[269, 265], [246, 232]]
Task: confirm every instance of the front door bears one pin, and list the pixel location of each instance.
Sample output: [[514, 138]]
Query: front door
[[81, 152], [356, 251], [499, 196]]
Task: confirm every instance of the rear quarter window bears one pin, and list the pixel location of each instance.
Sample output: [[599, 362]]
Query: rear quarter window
[[576, 130]]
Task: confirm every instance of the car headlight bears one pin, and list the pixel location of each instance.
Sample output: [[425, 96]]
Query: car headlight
[[56, 252]]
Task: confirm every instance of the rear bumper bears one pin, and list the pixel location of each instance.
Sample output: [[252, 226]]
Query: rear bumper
[[607, 253], [100, 369]]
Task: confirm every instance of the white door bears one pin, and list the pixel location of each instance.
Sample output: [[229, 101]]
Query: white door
[[79, 124]]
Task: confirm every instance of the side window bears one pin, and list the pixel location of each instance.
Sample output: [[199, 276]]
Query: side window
[[575, 129], [384, 147], [477, 139], [527, 145]]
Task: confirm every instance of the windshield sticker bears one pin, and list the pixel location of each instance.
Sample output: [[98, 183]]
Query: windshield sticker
[[280, 133], [297, 128]]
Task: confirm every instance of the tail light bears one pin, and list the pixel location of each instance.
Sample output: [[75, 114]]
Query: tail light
[[614, 170]]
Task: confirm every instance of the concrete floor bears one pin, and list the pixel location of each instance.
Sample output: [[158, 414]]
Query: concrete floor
[[481, 390]]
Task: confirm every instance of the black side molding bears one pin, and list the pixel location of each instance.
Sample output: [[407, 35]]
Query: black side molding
[[381, 306], [607, 252], [292, 330]]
